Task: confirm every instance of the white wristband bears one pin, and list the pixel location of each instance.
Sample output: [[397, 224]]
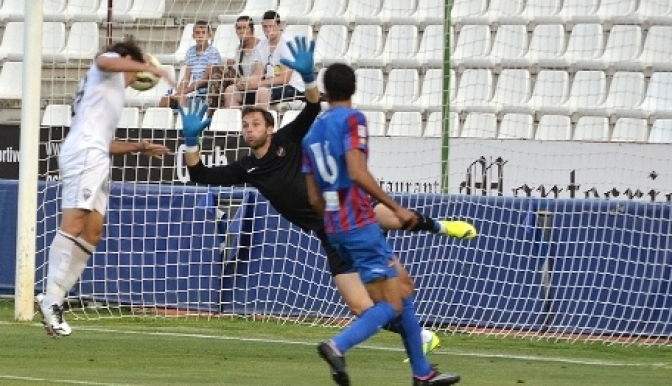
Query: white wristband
[[191, 149], [312, 84]]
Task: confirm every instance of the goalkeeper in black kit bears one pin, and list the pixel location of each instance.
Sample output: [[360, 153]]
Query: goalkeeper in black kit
[[274, 168]]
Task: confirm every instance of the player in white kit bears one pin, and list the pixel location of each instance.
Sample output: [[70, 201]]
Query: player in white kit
[[84, 163]]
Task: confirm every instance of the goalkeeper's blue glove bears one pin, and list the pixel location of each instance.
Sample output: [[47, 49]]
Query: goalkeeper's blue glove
[[193, 123], [304, 62]]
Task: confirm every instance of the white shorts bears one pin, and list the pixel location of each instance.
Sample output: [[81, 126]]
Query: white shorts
[[85, 180]]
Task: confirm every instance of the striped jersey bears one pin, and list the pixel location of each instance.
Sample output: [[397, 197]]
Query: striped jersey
[[347, 206], [199, 62]]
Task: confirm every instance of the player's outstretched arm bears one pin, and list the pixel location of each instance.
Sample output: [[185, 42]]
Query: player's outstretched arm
[[126, 64], [146, 148], [303, 53]]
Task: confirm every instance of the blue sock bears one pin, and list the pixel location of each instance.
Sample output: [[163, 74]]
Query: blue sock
[[410, 333], [367, 325]]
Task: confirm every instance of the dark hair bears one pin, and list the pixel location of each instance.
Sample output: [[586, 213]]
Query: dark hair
[[268, 117], [127, 47], [247, 19], [203, 23], [271, 15], [340, 82]]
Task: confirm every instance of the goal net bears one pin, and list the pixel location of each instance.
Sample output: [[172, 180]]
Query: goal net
[[545, 123]]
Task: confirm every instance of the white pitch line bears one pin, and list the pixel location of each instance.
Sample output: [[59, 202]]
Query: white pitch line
[[51, 380]]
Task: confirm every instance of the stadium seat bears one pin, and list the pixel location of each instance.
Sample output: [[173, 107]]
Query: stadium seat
[[186, 41], [434, 126], [473, 46], [469, 12], [661, 131], [516, 126], [479, 125], [475, 89], [432, 87], [57, 115], [554, 128], [543, 11], [506, 12], [288, 116], [152, 96], [430, 52], [580, 11], [512, 91], [399, 50], [225, 40], [405, 124], [375, 122], [11, 80], [401, 90], [366, 41], [370, 87], [429, 12], [547, 46], [295, 11], [630, 130], [291, 31], [550, 90], [331, 43], [585, 46], [83, 10], [320, 79], [623, 47], [658, 96], [655, 12], [120, 10], [130, 118], [82, 41], [363, 12], [657, 51], [55, 10], [627, 90], [227, 120], [328, 12], [510, 45], [253, 8], [588, 92], [618, 11], [158, 118], [591, 129], [53, 41], [397, 12], [12, 10]]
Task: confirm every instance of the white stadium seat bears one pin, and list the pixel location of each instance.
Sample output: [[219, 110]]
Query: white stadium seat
[[397, 12], [623, 47], [475, 89], [12, 10], [328, 12], [618, 11], [588, 91], [375, 122], [547, 45], [253, 8], [331, 43], [510, 45], [580, 11], [661, 131], [294, 11], [554, 128], [291, 31], [473, 45], [430, 12], [586, 44], [225, 40], [370, 87], [186, 41], [11, 80], [430, 52], [434, 126], [130, 118], [630, 130], [543, 11], [432, 86], [53, 41], [363, 12], [161, 118], [55, 10], [469, 12], [82, 41], [83, 10], [658, 97], [405, 124], [227, 120], [506, 12], [592, 129], [288, 116], [516, 126], [627, 90], [657, 51], [551, 90], [366, 41], [655, 11], [479, 125], [401, 90], [512, 91], [57, 115], [398, 51]]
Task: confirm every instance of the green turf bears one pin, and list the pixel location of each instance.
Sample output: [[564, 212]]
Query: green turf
[[235, 352]]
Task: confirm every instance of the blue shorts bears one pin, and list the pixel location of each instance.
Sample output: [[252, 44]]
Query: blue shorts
[[367, 250]]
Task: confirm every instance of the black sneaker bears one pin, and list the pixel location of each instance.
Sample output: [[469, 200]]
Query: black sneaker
[[336, 362], [437, 379]]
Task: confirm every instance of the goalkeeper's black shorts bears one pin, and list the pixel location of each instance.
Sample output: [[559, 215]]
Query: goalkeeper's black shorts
[[337, 265]]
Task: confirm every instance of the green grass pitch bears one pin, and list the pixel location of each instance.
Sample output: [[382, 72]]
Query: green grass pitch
[[195, 351]]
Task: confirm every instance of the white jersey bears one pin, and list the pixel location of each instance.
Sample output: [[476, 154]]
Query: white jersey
[[271, 61], [96, 109]]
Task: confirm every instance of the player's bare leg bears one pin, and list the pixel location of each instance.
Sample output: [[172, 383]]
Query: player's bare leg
[[457, 229]]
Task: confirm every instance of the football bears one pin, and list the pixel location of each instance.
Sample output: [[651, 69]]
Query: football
[[146, 80]]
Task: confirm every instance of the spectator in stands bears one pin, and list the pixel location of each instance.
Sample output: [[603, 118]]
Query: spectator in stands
[[271, 81], [199, 62], [239, 68]]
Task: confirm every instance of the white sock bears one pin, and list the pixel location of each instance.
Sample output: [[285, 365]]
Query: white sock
[[67, 259], [426, 335]]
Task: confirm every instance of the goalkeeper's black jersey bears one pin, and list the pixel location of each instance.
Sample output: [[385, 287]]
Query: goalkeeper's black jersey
[[277, 175]]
